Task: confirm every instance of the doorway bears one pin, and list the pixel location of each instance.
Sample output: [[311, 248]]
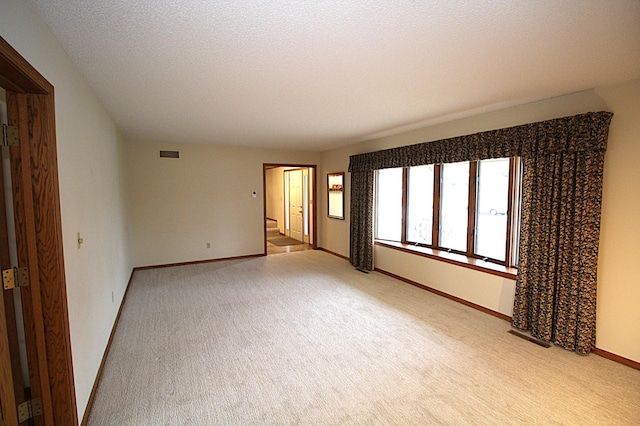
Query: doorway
[[289, 212], [39, 260]]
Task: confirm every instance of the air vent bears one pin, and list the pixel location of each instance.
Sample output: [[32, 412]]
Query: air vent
[[169, 154], [531, 339]]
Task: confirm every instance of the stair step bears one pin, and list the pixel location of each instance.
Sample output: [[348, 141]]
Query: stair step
[[272, 224]]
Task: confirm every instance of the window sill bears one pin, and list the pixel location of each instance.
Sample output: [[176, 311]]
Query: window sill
[[452, 258]]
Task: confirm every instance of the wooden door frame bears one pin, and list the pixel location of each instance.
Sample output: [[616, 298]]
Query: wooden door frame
[[313, 192], [30, 106]]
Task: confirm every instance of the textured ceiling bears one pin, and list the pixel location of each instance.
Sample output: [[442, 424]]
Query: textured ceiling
[[309, 74]]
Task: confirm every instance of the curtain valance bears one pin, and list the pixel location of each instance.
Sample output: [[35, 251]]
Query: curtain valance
[[584, 132]]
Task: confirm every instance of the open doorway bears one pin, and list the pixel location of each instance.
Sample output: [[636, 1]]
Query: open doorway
[[289, 208]]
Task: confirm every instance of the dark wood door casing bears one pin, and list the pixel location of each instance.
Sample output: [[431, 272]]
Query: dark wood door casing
[[30, 104]]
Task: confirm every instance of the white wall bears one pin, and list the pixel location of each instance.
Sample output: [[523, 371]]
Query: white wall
[[178, 205], [92, 193], [618, 316]]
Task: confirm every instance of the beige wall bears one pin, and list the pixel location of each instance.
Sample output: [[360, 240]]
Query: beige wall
[[618, 311], [178, 205], [91, 193], [275, 196], [618, 315]]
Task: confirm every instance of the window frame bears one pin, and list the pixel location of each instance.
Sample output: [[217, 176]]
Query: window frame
[[513, 215]]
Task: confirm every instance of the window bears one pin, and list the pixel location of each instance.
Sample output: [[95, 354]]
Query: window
[[454, 206], [492, 208], [420, 204], [470, 208], [389, 204]]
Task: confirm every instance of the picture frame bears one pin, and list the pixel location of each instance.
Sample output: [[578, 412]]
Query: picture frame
[[335, 195]]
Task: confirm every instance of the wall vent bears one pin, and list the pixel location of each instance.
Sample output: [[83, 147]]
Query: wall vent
[[169, 154], [531, 339]]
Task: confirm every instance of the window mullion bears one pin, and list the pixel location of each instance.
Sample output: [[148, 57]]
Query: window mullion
[[435, 229], [471, 221], [405, 174], [510, 205], [515, 214]]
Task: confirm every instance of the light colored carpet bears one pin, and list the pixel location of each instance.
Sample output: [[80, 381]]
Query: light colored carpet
[[303, 338]]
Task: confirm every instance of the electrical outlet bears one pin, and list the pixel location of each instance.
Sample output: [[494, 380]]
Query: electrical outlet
[[208, 244], [112, 298]]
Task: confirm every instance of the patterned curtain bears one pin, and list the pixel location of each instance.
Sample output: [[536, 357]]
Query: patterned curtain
[[361, 241], [560, 225], [563, 163]]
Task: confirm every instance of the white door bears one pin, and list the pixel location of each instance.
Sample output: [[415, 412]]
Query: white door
[[295, 205]]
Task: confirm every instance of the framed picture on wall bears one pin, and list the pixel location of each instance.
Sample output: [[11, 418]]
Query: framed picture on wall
[[335, 196]]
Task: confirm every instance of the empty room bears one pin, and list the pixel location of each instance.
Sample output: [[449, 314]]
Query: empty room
[[301, 212]]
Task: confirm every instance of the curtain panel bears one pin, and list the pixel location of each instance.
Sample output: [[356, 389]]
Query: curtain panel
[[563, 161], [361, 230]]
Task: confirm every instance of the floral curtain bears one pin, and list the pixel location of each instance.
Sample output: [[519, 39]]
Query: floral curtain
[[361, 241], [560, 226], [563, 163]]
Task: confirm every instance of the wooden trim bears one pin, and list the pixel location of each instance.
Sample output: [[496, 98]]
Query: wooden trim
[[30, 104], [17, 75], [197, 262], [516, 211], [32, 300], [264, 208], [435, 227], [405, 198], [333, 253], [448, 296], [296, 165], [96, 383], [617, 358], [472, 206], [49, 243], [314, 206], [508, 257]]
